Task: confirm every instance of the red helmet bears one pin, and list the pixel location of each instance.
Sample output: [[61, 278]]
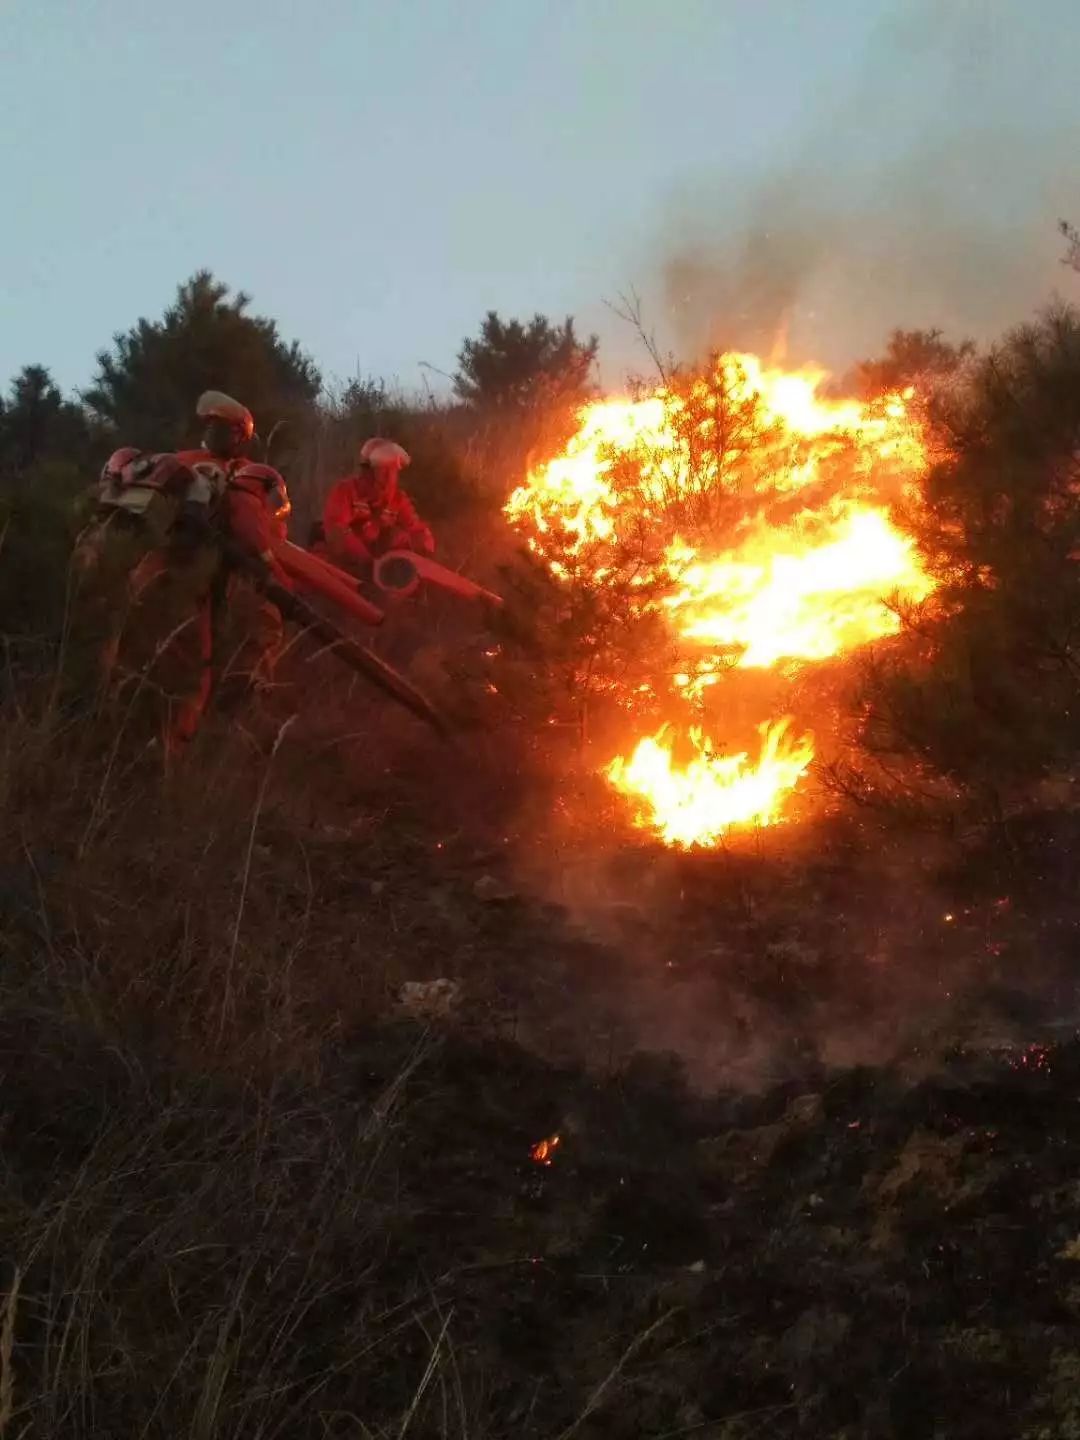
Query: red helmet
[[113, 467], [213, 405], [264, 480]]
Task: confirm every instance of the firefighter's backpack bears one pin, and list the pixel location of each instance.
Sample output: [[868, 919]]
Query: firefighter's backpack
[[144, 491]]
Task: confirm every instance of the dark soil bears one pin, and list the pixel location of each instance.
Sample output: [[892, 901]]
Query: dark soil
[[869, 1258]]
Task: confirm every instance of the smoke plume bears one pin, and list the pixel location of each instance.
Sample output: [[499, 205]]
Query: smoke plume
[[927, 195]]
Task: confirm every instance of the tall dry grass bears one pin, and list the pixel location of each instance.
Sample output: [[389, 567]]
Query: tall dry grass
[[193, 1228], [242, 1195], [239, 1184]]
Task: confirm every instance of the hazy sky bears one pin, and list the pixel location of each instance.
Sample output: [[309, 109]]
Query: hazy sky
[[378, 173]]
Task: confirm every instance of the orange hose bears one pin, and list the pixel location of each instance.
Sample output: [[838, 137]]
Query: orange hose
[[309, 572]]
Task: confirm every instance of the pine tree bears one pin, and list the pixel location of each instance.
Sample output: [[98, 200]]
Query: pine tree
[[525, 366], [147, 384], [37, 424]]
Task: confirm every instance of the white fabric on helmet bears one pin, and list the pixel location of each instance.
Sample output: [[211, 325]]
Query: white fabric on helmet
[[213, 404], [379, 452]]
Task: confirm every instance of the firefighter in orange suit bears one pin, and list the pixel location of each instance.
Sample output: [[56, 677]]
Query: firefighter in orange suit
[[226, 497], [368, 513]]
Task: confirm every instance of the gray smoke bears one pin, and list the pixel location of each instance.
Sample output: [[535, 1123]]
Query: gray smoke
[[927, 195]]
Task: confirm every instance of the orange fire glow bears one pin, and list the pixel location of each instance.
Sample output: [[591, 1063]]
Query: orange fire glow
[[695, 803], [543, 1152], [756, 516], [773, 599]]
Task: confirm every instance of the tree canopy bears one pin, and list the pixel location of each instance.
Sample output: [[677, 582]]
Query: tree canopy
[[38, 424], [147, 384], [910, 356], [985, 693], [522, 366]]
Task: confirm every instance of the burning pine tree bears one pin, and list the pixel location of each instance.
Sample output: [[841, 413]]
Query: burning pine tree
[[734, 526]]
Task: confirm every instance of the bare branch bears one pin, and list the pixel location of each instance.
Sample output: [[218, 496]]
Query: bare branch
[[629, 309]]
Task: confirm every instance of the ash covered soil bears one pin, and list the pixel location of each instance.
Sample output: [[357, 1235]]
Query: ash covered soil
[[817, 1101]]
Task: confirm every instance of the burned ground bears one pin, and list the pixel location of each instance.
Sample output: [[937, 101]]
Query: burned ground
[[815, 1099]]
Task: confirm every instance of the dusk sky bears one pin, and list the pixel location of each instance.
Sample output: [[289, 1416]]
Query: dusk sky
[[377, 175]]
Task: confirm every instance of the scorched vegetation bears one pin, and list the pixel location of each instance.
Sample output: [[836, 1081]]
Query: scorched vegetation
[[358, 1084]]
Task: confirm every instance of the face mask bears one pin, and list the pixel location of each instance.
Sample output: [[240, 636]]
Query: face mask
[[221, 440]]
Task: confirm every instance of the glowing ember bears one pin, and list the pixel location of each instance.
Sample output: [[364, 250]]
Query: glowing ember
[[1033, 1058], [753, 515], [543, 1152]]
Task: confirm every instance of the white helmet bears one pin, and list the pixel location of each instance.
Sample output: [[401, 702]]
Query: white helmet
[[213, 405], [383, 455]]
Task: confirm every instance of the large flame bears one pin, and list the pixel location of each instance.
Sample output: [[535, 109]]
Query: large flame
[[696, 802], [754, 514], [774, 599]]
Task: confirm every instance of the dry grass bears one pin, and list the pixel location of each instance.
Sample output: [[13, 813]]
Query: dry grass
[[244, 1198], [7, 1352], [164, 1226], [219, 1169]]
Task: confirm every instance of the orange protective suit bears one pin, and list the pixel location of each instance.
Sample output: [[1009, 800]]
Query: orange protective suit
[[242, 502], [367, 513]]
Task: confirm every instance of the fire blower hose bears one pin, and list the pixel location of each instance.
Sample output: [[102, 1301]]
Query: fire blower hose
[[358, 657], [399, 574], [311, 572]]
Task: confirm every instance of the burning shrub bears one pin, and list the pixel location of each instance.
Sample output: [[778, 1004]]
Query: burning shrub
[[708, 543]]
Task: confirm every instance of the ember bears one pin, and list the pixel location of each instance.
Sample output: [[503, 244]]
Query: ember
[[1034, 1057], [753, 515], [543, 1152]]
